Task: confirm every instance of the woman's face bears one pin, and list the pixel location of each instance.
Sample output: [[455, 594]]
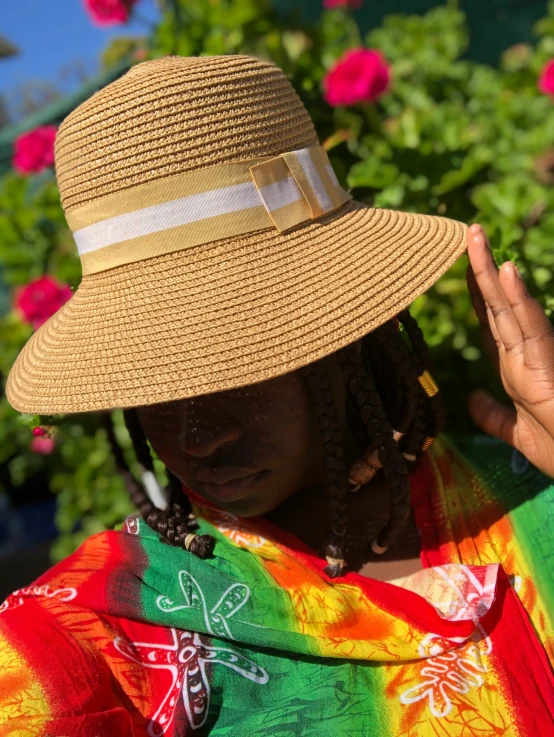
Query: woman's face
[[247, 449]]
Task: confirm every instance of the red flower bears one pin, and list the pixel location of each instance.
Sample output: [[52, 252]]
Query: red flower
[[546, 80], [40, 299], [109, 12], [330, 4], [34, 151], [360, 75], [44, 446]]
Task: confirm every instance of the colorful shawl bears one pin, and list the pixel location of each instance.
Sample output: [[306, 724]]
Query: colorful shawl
[[129, 636]]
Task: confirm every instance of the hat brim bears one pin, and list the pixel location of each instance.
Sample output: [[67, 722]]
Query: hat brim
[[231, 313]]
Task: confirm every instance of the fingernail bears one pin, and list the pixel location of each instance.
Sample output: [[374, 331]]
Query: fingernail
[[513, 268], [476, 228]]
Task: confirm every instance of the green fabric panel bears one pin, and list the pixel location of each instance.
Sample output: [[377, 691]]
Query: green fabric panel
[[265, 616], [303, 696]]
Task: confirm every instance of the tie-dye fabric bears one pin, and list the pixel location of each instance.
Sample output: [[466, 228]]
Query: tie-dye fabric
[[129, 636]]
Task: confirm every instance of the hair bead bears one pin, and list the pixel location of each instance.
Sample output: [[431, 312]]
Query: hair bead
[[427, 444], [338, 562], [428, 384], [378, 549], [188, 540]]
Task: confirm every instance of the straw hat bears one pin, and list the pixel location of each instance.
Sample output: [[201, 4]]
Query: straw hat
[[218, 248]]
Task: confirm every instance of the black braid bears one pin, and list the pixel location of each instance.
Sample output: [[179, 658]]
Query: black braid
[[176, 523], [413, 418], [335, 479], [436, 416], [406, 369], [417, 340], [360, 384], [138, 495]]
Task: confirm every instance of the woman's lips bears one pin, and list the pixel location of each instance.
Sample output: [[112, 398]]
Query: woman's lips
[[230, 491]]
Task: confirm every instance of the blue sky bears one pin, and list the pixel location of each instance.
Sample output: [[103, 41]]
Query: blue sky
[[51, 34]]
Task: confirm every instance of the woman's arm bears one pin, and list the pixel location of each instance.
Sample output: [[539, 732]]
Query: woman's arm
[[520, 340]]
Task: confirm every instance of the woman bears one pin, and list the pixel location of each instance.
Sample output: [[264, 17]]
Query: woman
[[246, 314]]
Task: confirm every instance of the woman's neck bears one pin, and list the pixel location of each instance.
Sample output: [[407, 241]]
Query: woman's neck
[[303, 515]]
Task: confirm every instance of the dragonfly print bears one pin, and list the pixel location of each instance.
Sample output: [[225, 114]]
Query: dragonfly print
[[186, 657]]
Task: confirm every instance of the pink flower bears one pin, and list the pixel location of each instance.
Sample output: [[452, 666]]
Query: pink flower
[[34, 151], [360, 75], [546, 80], [44, 446], [330, 4], [109, 12], [40, 299]]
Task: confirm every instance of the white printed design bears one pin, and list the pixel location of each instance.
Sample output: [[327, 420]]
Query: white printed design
[[17, 597], [446, 671], [132, 525], [456, 671], [186, 660], [187, 656], [230, 526]]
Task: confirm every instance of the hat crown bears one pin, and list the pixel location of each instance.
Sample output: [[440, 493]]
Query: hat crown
[[175, 115]]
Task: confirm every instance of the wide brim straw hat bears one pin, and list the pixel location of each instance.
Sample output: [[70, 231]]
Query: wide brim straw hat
[[218, 248]]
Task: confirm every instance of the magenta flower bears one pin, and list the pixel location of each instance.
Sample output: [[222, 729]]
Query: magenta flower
[[109, 12], [43, 446], [40, 299], [360, 75], [34, 151], [546, 80], [330, 4]]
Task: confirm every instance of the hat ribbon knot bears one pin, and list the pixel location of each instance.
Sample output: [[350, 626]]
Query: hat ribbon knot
[[298, 186]]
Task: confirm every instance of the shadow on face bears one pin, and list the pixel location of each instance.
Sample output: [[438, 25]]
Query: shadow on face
[[247, 450]]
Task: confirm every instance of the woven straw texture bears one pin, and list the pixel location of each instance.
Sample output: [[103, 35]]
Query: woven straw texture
[[174, 115], [229, 313]]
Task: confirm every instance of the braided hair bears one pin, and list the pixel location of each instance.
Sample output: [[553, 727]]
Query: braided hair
[[393, 408], [176, 523]]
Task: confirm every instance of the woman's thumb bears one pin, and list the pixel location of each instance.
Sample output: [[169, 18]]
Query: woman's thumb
[[492, 417]]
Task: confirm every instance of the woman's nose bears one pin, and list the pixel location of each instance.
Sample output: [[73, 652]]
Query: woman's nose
[[203, 436]]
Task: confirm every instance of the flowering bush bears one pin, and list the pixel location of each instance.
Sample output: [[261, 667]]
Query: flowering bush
[[449, 137], [109, 12], [360, 75], [40, 299], [546, 80], [34, 151]]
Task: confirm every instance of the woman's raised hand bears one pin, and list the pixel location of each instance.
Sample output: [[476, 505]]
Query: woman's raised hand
[[520, 341]]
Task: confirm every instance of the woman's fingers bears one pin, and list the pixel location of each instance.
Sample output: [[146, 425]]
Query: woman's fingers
[[503, 323], [492, 417], [489, 340], [537, 333]]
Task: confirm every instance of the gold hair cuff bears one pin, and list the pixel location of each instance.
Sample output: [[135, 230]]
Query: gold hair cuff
[[427, 443], [428, 384]]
